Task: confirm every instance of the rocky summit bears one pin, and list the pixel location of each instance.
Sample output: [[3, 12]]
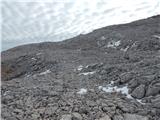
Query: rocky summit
[[112, 73]]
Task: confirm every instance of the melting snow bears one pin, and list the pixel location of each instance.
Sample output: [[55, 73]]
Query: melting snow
[[33, 58], [45, 72], [140, 101], [109, 88], [80, 68], [117, 43], [125, 49], [124, 90], [112, 82], [88, 73], [114, 44], [87, 66], [156, 36], [82, 91]]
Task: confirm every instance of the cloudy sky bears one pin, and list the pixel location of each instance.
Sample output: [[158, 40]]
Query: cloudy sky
[[27, 22]]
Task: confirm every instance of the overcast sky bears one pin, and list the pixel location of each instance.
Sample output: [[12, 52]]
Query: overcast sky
[[28, 22]]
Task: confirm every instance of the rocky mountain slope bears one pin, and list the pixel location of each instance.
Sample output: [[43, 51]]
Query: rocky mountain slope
[[112, 73]]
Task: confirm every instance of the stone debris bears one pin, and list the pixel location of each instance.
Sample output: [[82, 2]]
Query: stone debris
[[106, 117], [82, 91], [83, 78], [66, 117], [134, 117]]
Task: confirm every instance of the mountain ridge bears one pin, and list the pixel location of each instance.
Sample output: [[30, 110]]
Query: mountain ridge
[[108, 74]]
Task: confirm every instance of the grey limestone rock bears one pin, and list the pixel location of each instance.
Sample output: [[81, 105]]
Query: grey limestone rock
[[139, 92]]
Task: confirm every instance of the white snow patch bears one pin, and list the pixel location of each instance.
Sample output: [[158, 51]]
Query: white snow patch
[[100, 87], [140, 101], [33, 58], [88, 73], [117, 43], [109, 89], [45, 72], [82, 91], [124, 90], [80, 68], [125, 49], [156, 36], [114, 44], [112, 82], [87, 66]]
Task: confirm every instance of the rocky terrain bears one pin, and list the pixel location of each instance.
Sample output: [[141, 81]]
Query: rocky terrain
[[112, 73]]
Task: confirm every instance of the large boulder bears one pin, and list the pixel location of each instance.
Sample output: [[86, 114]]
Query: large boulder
[[139, 92]]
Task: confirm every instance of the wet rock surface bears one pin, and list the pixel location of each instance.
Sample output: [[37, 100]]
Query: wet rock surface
[[112, 73]]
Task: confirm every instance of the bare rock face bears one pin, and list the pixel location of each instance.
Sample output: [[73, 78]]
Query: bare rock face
[[139, 92], [112, 73]]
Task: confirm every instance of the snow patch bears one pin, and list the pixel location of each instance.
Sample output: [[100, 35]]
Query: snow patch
[[114, 44], [109, 89], [140, 101], [45, 72], [88, 73], [112, 82], [124, 90], [80, 68], [82, 91], [125, 49], [87, 66], [33, 58], [134, 44], [156, 36]]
